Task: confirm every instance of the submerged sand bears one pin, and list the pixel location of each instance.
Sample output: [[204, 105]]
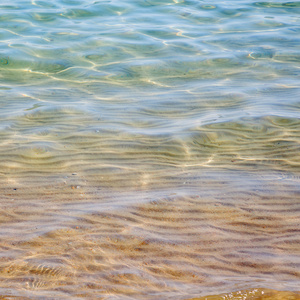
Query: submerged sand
[[73, 240]]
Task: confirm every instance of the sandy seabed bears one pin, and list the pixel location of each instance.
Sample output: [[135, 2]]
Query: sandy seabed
[[73, 239]]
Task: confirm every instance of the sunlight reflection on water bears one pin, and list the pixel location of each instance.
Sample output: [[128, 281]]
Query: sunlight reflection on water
[[149, 149]]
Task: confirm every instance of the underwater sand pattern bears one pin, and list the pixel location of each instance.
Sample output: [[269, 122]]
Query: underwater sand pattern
[[149, 149], [176, 246]]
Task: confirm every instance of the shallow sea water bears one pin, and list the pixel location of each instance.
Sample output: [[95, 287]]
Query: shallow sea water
[[149, 149]]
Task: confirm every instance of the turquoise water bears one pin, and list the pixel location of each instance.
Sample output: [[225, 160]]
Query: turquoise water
[[107, 106]]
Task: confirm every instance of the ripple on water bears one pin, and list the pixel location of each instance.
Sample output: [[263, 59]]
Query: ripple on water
[[44, 17], [63, 137], [42, 66], [149, 149], [50, 116], [278, 4]]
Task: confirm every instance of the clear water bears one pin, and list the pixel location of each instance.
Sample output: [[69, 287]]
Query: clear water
[[149, 149]]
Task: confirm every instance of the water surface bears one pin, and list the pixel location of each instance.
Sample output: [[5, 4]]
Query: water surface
[[149, 149]]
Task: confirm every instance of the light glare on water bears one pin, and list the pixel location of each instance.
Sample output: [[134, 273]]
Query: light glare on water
[[149, 149]]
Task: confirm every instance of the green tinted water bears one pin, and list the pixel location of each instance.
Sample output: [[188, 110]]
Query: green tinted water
[[107, 106]]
